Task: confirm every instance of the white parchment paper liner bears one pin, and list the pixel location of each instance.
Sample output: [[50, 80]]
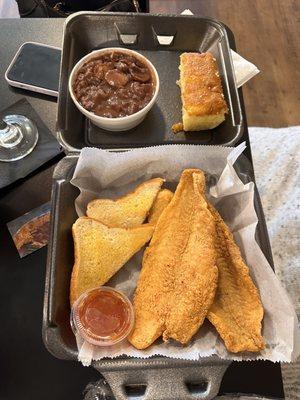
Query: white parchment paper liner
[[100, 173]]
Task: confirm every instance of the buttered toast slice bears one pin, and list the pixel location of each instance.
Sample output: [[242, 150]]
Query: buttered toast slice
[[160, 203], [101, 251], [128, 211]]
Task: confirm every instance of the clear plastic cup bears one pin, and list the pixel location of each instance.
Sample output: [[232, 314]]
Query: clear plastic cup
[[102, 316]]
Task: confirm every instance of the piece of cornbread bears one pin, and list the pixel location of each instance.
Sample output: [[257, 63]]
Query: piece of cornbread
[[203, 103]]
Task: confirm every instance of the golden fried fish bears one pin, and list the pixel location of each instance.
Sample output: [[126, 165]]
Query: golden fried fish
[[237, 311], [179, 276]]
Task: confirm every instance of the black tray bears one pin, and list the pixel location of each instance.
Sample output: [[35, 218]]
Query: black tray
[[57, 333], [87, 31]]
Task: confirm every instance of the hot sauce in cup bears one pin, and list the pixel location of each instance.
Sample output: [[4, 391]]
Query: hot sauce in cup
[[102, 316]]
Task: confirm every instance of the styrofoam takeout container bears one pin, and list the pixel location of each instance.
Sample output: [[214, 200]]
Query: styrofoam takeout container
[[161, 377], [121, 123]]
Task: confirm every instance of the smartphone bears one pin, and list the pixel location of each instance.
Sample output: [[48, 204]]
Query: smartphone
[[35, 67]]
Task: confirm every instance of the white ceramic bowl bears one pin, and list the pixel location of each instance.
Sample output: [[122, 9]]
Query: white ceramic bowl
[[120, 123]]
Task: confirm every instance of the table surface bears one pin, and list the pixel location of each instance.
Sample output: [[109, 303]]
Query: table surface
[[267, 34], [27, 369]]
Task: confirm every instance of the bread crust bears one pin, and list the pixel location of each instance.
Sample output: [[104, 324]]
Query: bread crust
[[128, 211], [203, 103], [160, 203], [101, 251]]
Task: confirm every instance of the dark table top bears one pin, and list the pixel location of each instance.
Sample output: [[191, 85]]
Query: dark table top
[[28, 371]]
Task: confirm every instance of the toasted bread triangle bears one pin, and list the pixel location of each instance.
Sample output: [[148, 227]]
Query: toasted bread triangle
[[101, 251], [128, 211], [160, 203]]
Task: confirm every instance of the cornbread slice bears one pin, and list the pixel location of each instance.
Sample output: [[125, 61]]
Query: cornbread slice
[[160, 203], [203, 104], [128, 211], [101, 251]]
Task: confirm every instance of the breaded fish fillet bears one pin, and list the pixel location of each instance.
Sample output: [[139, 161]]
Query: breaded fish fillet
[[160, 203], [179, 276], [237, 311]]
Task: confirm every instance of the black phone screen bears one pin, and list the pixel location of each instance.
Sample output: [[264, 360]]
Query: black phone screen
[[36, 65]]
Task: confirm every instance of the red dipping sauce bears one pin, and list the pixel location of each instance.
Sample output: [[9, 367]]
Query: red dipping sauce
[[102, 316]]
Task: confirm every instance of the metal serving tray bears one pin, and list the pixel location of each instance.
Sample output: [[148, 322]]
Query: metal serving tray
[[161, 375], [161, 39]]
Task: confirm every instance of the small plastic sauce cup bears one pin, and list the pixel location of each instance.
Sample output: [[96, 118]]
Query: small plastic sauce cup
[[102, 316]]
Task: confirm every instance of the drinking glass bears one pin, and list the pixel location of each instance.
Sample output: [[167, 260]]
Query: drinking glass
[[18, 137]]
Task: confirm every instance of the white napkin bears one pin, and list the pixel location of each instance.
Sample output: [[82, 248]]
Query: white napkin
[[244, 70], [9, 9]]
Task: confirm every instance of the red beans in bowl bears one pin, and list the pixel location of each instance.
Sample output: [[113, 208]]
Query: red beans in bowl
[[114, 85]]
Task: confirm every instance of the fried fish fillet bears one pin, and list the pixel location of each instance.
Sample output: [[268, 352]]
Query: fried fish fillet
[[179, 276], [160, 203], [237, 311]]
